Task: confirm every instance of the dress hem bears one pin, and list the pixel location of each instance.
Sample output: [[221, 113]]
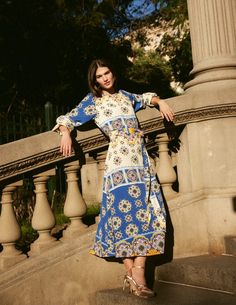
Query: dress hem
[[149, 253]]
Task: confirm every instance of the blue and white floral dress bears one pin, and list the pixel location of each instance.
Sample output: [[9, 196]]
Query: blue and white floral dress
[[132, 215]]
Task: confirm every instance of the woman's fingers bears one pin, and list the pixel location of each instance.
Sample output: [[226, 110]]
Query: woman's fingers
[[169, 116], [66, 151], [66, 146], [166, 111]]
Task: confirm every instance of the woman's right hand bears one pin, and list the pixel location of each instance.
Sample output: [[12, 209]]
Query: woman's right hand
[[66, 142]]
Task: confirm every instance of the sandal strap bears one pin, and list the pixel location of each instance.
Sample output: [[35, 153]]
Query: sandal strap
[[138, 267]]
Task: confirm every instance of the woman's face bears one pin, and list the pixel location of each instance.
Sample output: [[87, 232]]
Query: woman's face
[[105, 79]]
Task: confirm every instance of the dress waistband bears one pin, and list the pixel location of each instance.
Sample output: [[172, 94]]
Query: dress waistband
[[131, 130], [127, 132]]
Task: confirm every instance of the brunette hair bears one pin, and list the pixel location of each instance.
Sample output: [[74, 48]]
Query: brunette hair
[[92, 82]]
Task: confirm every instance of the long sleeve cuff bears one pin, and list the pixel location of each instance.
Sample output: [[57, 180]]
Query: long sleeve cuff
[[64, 121], [147, 97]]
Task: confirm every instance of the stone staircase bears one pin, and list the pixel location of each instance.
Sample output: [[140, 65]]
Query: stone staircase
[[199, 280]]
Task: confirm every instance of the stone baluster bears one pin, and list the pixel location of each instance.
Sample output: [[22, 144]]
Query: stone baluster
[[75, 206], [43, 219], [101, 167], [9, 229], [165, 172]]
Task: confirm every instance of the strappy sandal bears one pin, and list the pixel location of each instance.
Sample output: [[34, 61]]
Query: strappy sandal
[[136, 289]]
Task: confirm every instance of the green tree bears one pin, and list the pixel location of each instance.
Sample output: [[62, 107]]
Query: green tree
[[46, 46], [172, 17], [178, 46], [151, 73]]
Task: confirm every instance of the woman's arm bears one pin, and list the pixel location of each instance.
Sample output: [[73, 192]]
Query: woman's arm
[[140, 101], [81, 114]]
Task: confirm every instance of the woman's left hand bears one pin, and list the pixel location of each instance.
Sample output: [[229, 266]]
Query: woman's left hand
[[165, 110]]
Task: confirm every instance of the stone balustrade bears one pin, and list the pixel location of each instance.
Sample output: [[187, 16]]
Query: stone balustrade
[[38, 156]]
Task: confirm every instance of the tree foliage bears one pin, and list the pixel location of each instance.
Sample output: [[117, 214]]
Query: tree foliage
[[174, 47], [47, 45], [177, 45], [151, 72]]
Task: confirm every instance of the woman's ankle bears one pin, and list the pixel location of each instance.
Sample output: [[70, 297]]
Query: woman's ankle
[[128, 263], [138, 275]]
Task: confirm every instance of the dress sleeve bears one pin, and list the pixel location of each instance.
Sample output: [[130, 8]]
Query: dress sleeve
[[140, 101], [84, 112]]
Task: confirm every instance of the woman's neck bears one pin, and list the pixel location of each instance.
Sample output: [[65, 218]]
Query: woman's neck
[[109, 92]]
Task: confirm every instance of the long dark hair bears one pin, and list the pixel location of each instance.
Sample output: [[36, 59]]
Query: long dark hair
[[92, 82]]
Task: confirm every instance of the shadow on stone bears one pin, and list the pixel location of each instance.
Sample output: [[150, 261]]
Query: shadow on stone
[[167, 256], [234, 203]]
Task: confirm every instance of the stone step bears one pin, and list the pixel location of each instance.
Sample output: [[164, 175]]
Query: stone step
[[214, 272], [230, 245], [167, 294]]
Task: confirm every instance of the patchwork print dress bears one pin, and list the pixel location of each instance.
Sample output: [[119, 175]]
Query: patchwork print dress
[[132, 216]]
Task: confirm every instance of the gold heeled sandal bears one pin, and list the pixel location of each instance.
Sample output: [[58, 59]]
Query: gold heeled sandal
[[136, 289]]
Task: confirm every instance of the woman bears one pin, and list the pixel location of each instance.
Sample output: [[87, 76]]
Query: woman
[[132, 222]]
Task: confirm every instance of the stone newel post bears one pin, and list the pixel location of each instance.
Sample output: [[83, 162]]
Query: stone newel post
[[75, 206], [206, 159], [9, 229]]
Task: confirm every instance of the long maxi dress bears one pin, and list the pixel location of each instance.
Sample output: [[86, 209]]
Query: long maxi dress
[[132, 214]]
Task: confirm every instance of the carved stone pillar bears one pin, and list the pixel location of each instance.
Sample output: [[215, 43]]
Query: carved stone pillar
[[206, 158], [9, 229], [89, 180], [165, 172], [213, 40], [101, 167], [43, 219], [206, 152], [75, 206]]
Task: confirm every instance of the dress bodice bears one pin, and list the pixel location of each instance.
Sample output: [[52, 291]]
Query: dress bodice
[[115, 115], [110, 112]]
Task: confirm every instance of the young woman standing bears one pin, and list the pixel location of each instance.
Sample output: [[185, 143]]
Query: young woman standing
[[132, 217]]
